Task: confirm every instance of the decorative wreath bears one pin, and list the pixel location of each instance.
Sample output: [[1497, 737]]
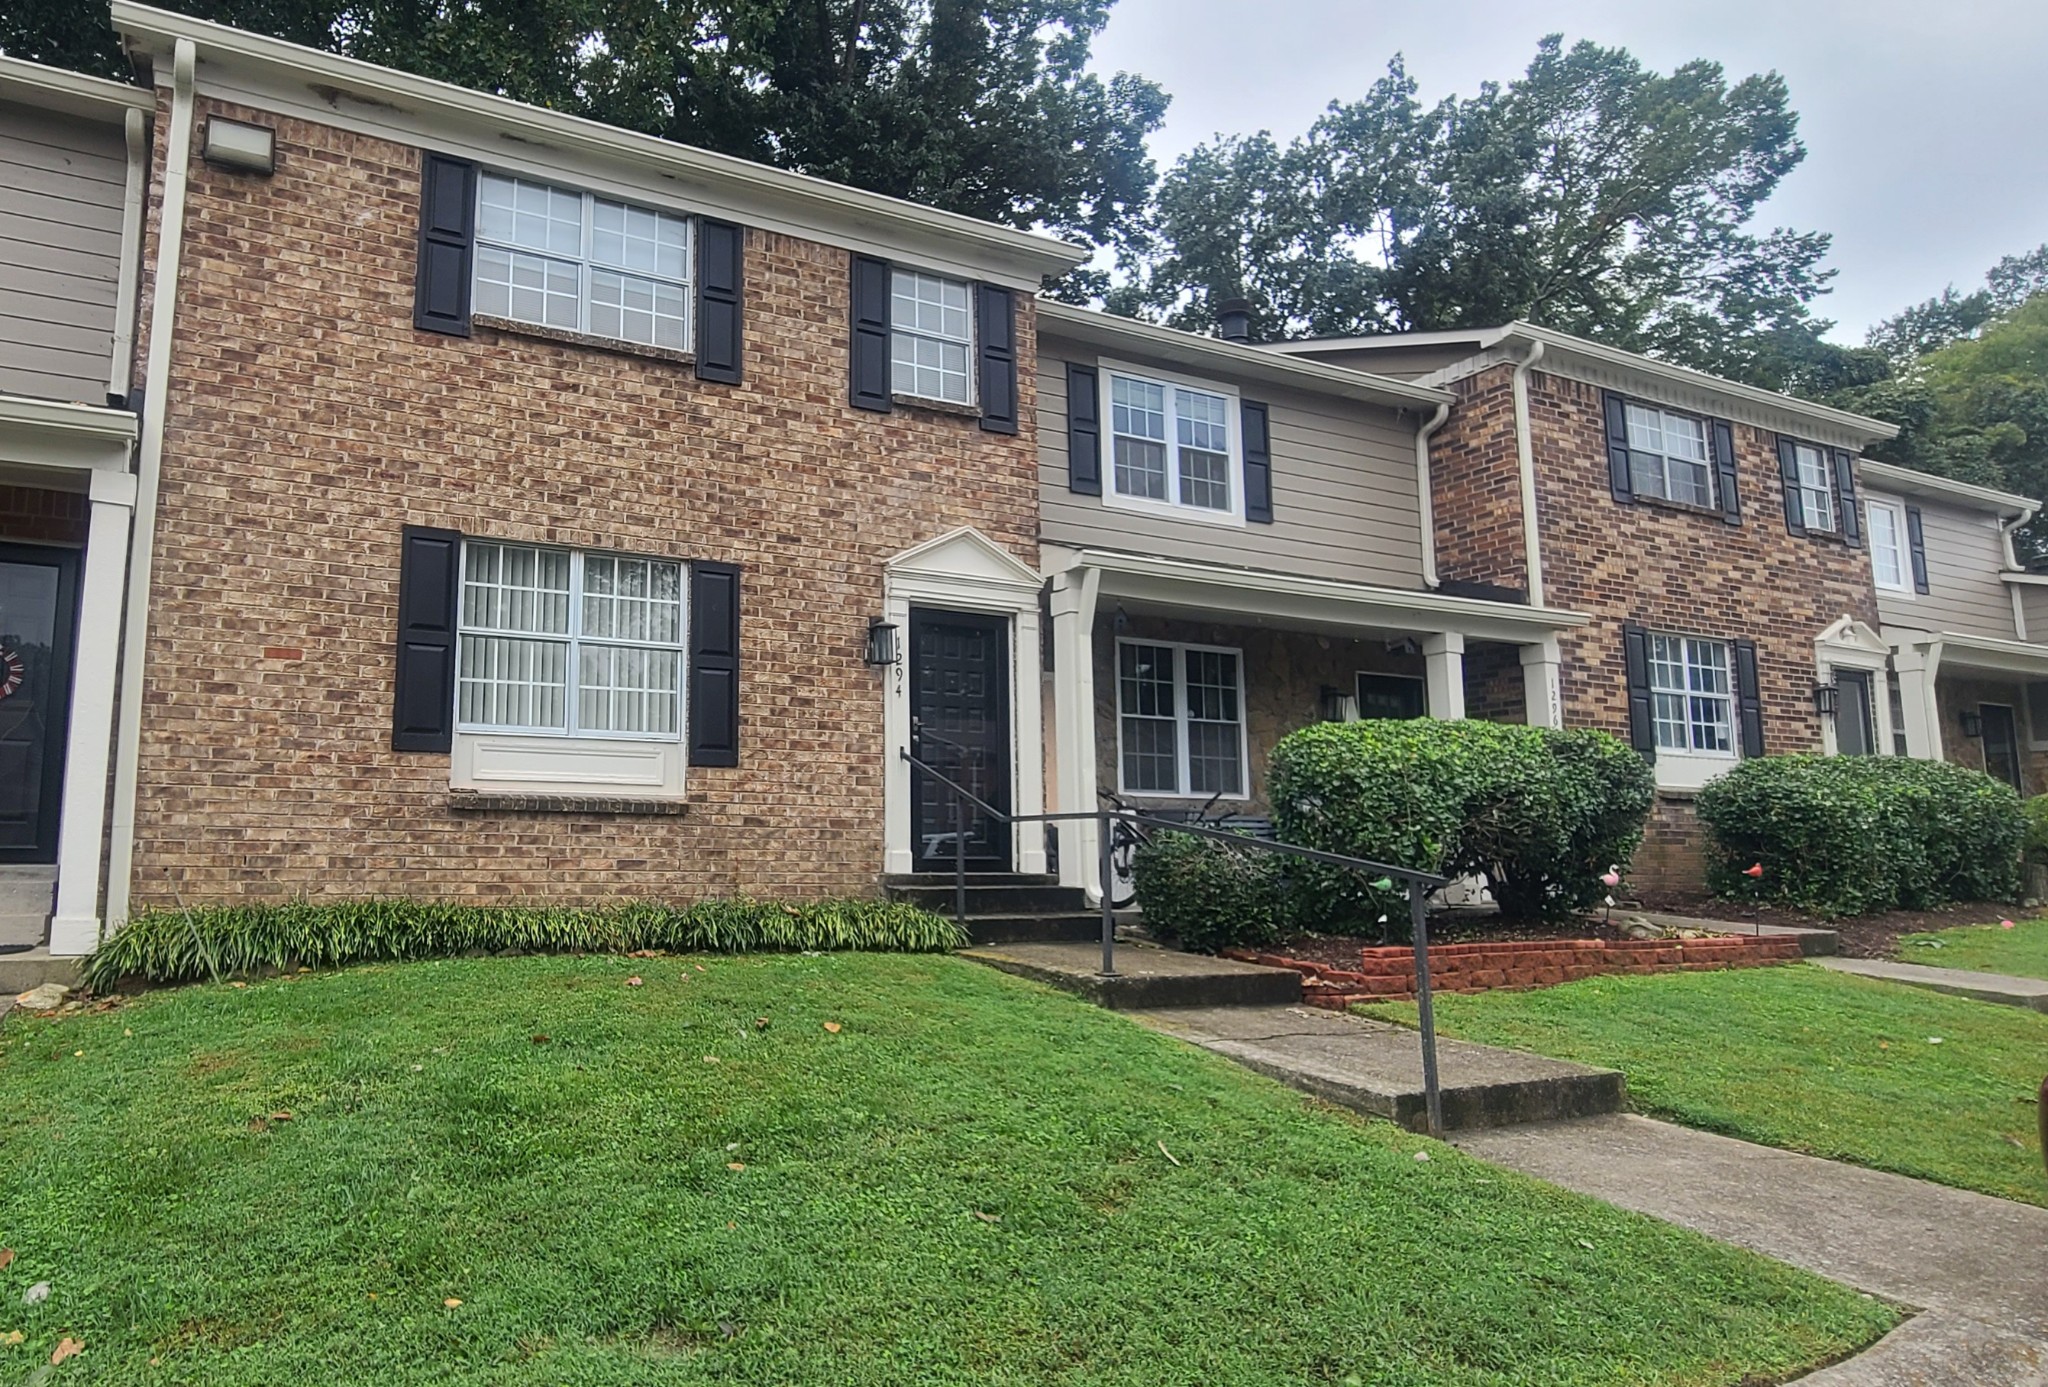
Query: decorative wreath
[[11, 672]]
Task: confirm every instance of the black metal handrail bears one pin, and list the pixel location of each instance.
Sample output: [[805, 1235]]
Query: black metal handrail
[[1419, 885]]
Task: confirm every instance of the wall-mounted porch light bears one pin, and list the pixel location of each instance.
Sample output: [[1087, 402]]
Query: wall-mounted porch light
[[1338, 706], [1826, 699], [881, 642], [234, 144], [1973, 723]]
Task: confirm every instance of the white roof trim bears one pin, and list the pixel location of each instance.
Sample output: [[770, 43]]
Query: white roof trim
[[1847, 633], [966, 552], [1233, 359], [45, 433], [1978, 652], [1888, 477], [1284, 599], [403, 107], [73, 93]]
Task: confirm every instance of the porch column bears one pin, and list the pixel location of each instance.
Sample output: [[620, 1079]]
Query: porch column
[[1073, 701], [1542, 688], [1917, 666], [1444, 656], [82, 817]]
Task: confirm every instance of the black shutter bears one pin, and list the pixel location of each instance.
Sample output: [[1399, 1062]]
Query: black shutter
[[871, 369], [440, 294], [1084, 431], [1916, 540], [1788, 473], [429, 570], [1749, 701], [714, 664], [721, 254], [995, 315], [1258, 465], [1845, 496], [1619, 478], [1642, 722], [1724, 471]]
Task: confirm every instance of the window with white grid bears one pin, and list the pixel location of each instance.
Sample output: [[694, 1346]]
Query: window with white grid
[[1171, 444], [1816, 487], [931, 337], [1668, 455], [1180, 719], [557, 641], [582, 263], [1885, 524], [1692, 694]]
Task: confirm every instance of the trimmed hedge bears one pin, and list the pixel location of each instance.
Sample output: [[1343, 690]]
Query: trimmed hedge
[[1208, 895], [217, 941], [1541, 813], [1851, 835], [2036, 846]]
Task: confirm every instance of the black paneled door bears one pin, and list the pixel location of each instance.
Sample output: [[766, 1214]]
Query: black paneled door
[[38, 619], [960, 723]]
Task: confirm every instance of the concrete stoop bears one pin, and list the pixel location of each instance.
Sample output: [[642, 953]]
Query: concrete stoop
[[1146, 976], [20, 972]]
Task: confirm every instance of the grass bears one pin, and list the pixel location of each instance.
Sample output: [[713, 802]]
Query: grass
[[2020, 952], [1801, 1058], [973, 1180]]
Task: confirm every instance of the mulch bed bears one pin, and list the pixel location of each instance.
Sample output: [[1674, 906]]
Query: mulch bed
[[1867, 936]]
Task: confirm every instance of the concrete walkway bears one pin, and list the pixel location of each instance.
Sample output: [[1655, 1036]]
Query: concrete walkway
[[1985, 987], [1146, 975], [1974, 1266]]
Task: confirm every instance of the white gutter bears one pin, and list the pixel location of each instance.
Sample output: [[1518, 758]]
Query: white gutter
[[1424, 494], [1525, 454], [149, 471], [121, 374]]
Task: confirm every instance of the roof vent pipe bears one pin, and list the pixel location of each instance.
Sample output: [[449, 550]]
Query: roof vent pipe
[[1234, 319]]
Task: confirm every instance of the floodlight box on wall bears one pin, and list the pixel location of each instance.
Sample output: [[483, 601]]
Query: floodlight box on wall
[[234, 144]]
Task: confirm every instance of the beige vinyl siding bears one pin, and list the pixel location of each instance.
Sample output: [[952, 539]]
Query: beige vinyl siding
[[61, 186], [1965, 554], [2034, 601], [1344, 496]]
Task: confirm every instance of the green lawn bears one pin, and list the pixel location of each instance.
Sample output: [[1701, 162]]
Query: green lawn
[[1801, 1058], [693, 1181], [2021, 951]]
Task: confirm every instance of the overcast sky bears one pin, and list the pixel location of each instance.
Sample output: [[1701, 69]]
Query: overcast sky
[[1925, 121]]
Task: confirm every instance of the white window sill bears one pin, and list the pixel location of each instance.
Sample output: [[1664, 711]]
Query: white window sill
[[1681, 771], [571, 338], [963, 408], [523, 764]]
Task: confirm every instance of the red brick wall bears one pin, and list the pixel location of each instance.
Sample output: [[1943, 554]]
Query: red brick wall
[[31, 515], [1476, 487], [307, 421]]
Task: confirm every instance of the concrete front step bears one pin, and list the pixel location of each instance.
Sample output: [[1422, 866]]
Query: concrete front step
[[19, 972], [1145, 976], [983, 898], [1376, 1068], [1035, 928]]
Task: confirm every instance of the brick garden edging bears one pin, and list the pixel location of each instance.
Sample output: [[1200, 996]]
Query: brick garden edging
[[1388, 974]]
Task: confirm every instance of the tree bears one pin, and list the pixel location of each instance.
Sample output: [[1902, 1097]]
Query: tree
[[1913, 332], [985, 108], [1590, 195]]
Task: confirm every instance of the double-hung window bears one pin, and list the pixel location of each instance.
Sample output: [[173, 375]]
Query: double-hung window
[[1890, 561], [1692, 695], [556, 641], [1172, 445], [1669, 455], [931, 337], [1180, 719], [1816, 487], [581, 263]]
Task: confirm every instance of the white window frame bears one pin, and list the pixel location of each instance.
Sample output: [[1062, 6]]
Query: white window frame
[[1902, 546], [1733, 697], [1182, 774], [1233, 422], [1665, 460], [897, 330], [586, 262], [1825, 491], [574, 640]]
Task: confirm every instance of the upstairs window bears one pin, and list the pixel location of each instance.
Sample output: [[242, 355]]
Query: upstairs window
[[1816, 487], [581, 263], [1668, 456], [931, 337], [1692, 695], [1171, 444], [1890, 564]]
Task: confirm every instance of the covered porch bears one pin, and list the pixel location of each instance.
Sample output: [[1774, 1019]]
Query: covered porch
[[1172, 681], [1977, 701]]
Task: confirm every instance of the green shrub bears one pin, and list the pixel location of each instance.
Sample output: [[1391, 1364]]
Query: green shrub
[[1540, 813], [221, 940], [1208, 895], [2036, 845], [1851, 835]]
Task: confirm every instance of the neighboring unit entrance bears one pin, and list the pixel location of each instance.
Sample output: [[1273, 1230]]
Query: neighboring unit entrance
[[38, 621], [2001, 744], [1855, 714], [960, 724]]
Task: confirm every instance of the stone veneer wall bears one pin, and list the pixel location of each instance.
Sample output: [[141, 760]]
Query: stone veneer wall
[[1956, 695]]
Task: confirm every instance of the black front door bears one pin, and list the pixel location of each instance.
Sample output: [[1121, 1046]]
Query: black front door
[[2001, 744], [38, 619], [960, 724]]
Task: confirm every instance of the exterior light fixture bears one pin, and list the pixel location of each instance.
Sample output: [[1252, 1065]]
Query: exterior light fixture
[[237, 145], [1826, 699], [1973, 723], [881, 643], [1338, 706]]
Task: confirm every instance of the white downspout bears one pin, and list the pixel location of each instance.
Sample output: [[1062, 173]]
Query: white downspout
[[121, 375], [1424, 493], [149, 471], [2012, 564], [1525, 453]]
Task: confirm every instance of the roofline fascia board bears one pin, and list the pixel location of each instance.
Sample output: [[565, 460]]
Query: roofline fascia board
[[1989, 652], [1098, 329], [73, 93], [405, 102], [98, 421], [1888, 476]]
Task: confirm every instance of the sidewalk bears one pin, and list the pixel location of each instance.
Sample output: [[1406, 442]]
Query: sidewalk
[[1985, 987], [1971, 1264]]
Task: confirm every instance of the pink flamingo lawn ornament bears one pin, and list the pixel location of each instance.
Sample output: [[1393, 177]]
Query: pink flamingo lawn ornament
[[1610, 879]]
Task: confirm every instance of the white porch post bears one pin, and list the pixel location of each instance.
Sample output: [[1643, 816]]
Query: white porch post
[[1444, 654], [82, 820], [1073, 696], [1542, 685], [1917, 667]]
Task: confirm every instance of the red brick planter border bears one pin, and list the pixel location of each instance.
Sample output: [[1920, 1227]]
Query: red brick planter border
[[1388, 974]]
